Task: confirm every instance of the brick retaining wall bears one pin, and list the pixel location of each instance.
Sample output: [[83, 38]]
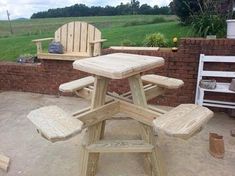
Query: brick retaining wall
[[48, 75]]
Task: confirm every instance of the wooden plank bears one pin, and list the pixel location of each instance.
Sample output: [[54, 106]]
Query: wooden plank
[[90, 37], [118, 65], [120, 146], [131, 48], [97, 46], [54, 124], [88, 162], [70, 37], [153, 92], [83, 39], [43, 39], [66, 56], [140, 114], [81, 111], [183, 121], [75, 85], [154, 161], [4, 162], [99, 114], [64, 36], [58, 35], [163, 81], [77, 36]]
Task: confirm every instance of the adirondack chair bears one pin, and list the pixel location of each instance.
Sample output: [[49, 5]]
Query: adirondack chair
[[79, 39]]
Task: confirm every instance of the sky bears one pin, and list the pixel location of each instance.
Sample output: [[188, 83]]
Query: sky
[[25, 8]]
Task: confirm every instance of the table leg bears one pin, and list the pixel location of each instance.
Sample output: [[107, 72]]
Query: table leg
[[154, 159], [89, 161]]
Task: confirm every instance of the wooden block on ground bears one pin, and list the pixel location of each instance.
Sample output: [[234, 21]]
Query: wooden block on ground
[[4, 162], [54, 124], [120, 146], [183, 121], [162, 81], [77, 84]]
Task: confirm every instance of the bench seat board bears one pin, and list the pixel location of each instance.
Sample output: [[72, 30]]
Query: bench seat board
[[54, 124], [183, 121], [162, 81], [77, 84]]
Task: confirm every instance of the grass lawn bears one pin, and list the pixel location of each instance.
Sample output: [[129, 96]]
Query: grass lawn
[[113, 29]]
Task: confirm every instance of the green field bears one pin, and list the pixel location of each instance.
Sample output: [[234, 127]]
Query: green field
[[115, 29]]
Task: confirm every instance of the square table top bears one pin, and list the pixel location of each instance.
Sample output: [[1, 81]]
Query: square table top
[[118, 65]]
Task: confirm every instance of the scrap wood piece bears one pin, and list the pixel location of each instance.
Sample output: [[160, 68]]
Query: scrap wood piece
[[4, 162]]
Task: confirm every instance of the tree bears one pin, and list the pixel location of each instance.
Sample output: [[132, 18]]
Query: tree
[[185, 8], [135, 5], [145, 9]]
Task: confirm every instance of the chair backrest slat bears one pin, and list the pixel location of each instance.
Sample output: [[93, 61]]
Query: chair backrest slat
[[70, 37], [64, 36], [75, 37]]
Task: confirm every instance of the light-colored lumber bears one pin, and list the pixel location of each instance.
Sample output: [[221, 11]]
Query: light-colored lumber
[[66, 56], [84, 39], [75, 85], [153, 92], [43, 39], [118, 65], [81, 111], [55, 124], [162, 81], [99, 114], [4, 162], [134, 48], [87, 94], [88, 161], [139, 113], [77, 36], [79, 39], [97, 41], [154, 161], [64, 36], [120, 146], [97, 46], [70, 38], [183, 121]]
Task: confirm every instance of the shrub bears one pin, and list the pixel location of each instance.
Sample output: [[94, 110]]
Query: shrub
[[155, 40], [208, 24], [127, 42], [154, 21]]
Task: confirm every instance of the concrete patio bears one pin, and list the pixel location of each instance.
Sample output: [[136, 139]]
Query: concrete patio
[[31, 155]]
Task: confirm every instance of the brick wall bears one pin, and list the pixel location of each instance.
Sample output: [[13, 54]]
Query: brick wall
[[48, 75]]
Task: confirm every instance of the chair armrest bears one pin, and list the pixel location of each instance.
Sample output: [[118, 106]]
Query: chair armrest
[[38, 43], [98, 41], [41, 40]]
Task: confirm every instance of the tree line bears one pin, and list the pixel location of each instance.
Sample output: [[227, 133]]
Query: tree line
[[79, 10]]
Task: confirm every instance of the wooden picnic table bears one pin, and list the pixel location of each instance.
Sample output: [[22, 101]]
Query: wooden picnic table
[[184, 121], [119, 66]]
